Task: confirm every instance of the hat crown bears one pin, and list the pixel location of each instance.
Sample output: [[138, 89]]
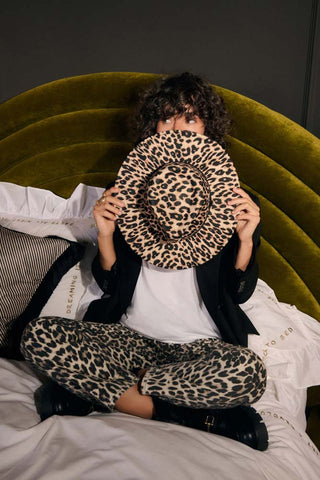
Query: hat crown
[[177, 185], [177, 199]]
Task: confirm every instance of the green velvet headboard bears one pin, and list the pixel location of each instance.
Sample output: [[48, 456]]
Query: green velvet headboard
[[78, 130]]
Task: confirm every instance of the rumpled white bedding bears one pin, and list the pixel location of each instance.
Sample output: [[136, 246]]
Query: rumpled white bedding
[[122, 447]]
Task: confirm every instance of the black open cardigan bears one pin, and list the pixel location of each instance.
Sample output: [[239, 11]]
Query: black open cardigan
[[221, 287]]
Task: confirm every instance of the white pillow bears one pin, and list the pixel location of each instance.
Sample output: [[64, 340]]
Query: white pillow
[[42, 213], [289, 340]]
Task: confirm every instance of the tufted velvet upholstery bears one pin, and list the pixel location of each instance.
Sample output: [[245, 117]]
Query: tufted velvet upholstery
[[78, 130]]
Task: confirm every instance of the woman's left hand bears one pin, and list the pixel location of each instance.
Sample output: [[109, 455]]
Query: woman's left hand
[[247, 213]]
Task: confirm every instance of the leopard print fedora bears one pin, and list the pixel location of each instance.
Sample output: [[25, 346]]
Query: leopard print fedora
[[176, 185]]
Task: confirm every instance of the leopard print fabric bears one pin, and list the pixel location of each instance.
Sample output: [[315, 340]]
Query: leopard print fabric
[[176, 185], [100, 362]]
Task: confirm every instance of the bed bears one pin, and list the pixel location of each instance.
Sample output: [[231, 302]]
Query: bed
[[61, 143]]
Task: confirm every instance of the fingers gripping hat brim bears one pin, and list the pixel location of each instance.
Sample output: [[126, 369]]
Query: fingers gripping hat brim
[[171, 166]]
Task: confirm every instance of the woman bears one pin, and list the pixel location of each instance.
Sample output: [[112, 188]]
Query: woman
[[133, 364]]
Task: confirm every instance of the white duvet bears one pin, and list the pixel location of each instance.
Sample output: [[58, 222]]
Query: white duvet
[[122, 447]]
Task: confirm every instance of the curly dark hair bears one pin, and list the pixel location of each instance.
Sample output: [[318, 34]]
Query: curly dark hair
[[171, 95]]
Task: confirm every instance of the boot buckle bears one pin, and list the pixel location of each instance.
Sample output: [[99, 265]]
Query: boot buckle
[[209, 422]]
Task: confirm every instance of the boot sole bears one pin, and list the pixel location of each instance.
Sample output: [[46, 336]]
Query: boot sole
[[43, 402], [258, 426]]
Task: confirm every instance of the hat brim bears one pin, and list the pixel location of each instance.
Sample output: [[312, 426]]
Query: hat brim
[[214, 163]]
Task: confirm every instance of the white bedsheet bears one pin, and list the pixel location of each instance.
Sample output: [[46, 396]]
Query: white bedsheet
[[122, 447]]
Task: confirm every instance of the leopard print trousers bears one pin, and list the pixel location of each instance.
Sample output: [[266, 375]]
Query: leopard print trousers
[[100, 362]]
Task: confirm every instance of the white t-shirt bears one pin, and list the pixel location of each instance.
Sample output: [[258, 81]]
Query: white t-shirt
[[166, 305]]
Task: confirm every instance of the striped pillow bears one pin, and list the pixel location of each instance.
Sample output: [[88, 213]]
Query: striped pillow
[[30, 269]]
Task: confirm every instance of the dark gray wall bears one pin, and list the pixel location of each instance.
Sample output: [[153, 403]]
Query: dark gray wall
[[265, 49]]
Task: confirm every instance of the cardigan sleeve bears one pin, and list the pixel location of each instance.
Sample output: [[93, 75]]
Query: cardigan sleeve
[[243, 283], [102, 309], [106, 279]]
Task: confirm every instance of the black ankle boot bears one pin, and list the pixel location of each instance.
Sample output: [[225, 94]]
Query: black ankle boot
[[242, 423], [52, 399]]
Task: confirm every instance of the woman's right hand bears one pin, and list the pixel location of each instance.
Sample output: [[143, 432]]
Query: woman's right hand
[[106, 212]]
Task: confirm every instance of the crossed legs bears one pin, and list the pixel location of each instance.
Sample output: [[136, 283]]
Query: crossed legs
[[102, 363]]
